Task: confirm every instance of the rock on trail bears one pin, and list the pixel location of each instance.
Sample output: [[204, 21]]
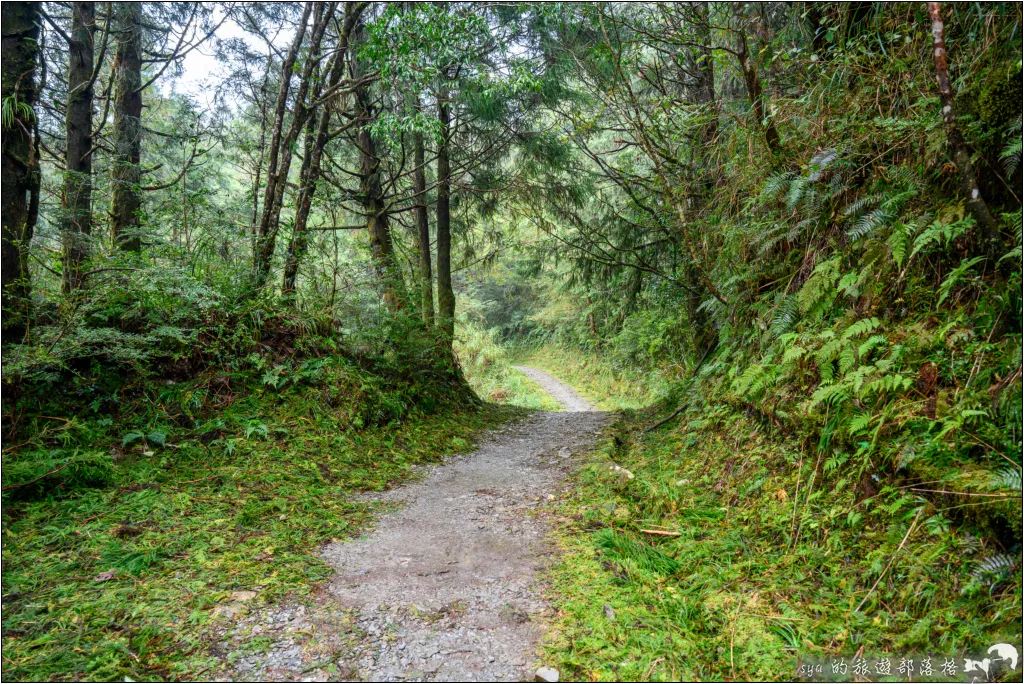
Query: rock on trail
[[445, 587]]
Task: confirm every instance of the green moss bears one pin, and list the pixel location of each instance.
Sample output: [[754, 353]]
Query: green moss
[[767, 557], [999, 101], [239, 503]]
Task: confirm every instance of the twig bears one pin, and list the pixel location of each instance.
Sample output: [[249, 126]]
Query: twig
[[22, 484], [945, 491], [732, 636], [796, 501], [891, 561], [665, 419], [202, 479], [983, 442], [685, 404], [663, 533]]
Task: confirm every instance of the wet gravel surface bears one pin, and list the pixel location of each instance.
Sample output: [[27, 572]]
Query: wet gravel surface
[[444, 588]]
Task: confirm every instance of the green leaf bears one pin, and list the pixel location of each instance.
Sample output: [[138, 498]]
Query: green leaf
[[131, 437], [955, 275]]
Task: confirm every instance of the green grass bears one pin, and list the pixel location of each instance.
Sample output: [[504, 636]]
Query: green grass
[[241, 506], [487, 368], [760, 571]]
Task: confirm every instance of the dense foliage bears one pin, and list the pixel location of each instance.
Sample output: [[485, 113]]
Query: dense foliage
[[797, 224]]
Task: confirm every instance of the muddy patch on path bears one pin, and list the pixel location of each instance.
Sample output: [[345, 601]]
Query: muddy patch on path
[[444, 587]]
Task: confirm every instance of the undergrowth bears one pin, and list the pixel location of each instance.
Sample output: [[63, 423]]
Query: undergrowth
[[488, 370], [760, 559], [139, 492]]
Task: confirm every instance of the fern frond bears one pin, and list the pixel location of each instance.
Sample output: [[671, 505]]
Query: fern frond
[[998, 563], [1011, 154], [1008, 478], [847, 359], [872, 342], [796, 192], [865, 325], [775, 185], [955, 276], [793, 353], [785, 316], [899, 242]]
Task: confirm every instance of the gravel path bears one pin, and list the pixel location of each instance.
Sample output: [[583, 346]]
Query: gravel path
[[444, 587], [562, 393]]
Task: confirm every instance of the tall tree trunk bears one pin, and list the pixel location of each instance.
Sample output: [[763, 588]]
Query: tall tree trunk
[[445, 293], [299, 243], [314, 154], [755, 91], [957, 145], [279, 157], [701, 64], [76, 216], [126, 173], [372, 193], [20, 174], [419, 188], [257, 181]]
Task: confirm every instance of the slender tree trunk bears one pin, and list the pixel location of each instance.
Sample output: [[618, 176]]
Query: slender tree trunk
[[957, 145], [280, 153], [372, 193], [126, 173], [257, 181], [20, 175], [76, 212], [703, 93], [314, 153], [419, 188], [445, 293], [299, 243], [755, 91]]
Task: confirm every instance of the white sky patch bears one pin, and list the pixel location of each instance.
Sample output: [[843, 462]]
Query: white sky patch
[[203, 74]]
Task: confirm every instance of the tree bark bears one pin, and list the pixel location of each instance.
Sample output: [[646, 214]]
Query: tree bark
[[419, 188], [310, 175], [20, 174], [445, 293], [299, 243], [76, 212], [371, 191], [280, 157], [958, 147], [755, 91], [126, 172]]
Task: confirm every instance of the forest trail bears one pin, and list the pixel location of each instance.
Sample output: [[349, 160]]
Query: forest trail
[[444, 587]]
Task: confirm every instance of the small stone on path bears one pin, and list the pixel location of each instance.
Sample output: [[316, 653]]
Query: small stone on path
[[547, 674]]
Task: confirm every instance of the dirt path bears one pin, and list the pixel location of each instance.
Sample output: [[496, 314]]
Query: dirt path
[[443, 588]]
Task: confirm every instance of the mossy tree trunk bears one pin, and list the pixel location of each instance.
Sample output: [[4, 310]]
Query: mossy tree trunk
[[126, 173], [374, 204], [76, 197], [20, 175], [445, 293], [957, 146], [419, 188]]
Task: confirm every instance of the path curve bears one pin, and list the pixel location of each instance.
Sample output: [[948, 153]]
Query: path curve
[[563, 394], [445, 587]]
